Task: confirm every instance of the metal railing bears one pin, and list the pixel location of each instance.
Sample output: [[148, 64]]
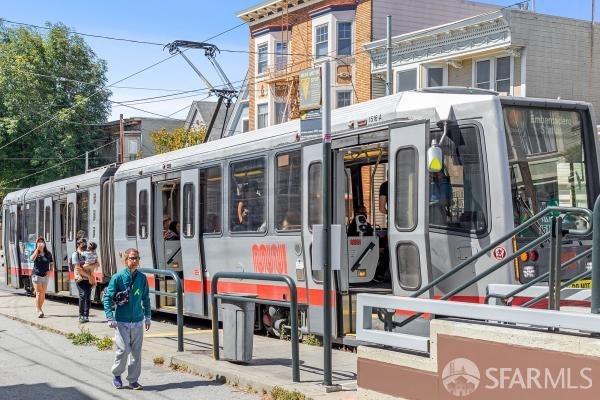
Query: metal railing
[[292, 304], [525, 317], [555, 235], [178, 298]]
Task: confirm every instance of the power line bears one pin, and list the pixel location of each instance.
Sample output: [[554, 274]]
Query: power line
[[114, 83], [86, 34]]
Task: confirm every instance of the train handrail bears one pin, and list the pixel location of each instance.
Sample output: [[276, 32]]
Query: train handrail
[[178, 298], [572, 232], [293, 304]]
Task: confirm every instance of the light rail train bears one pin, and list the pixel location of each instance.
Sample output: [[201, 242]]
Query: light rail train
[[249, 202]]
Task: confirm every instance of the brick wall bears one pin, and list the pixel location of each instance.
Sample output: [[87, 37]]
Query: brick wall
[[363, 35], [561, 61], [251, 86]]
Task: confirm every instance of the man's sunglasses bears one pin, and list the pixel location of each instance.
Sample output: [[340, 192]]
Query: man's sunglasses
[[133, 258]]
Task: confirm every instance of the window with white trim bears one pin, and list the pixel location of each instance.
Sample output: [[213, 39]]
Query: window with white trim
[[262, 116], [281, 55], [344, 98], [321, 40], [503, 74], [344, 38], [482, 74], [435, 76], [406, 80], [262, 59]]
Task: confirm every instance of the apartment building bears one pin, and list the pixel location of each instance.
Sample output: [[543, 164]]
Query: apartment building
[[289, 36], [512, 51]]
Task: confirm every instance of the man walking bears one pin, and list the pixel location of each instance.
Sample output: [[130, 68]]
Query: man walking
[[128, 289]]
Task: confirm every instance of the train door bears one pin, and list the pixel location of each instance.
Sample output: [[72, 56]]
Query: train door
[[193, 273], [59, 238], [45, 229], [71, 239], [312, 204], [408, 207], [12, 256], [144, 227], [5, 248], [167, 235]]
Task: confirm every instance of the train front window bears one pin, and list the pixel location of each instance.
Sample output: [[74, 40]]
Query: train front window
[[457, 196], [546, 161]]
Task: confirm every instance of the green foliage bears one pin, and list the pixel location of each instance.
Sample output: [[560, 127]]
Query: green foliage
[[279, 393], [168, 140], [312, 340], [83, 338], [105, 343], [66, 109]]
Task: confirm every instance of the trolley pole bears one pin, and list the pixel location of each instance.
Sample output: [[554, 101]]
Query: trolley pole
[[390, 79], [327, 202], [121, 157]]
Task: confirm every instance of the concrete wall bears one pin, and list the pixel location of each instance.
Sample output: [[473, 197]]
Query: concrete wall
[[410, 15], [560, 58]]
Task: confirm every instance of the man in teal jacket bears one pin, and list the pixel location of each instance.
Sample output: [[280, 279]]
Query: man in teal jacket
[[128, 319]]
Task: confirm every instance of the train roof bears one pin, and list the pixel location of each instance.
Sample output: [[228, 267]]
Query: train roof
[[14, 197], [69, 184], [410, 105]]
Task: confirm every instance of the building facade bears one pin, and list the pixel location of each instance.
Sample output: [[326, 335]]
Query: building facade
[[512, 51], [289, 36]]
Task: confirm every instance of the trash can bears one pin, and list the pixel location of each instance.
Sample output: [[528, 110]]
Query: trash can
[[238, 328]]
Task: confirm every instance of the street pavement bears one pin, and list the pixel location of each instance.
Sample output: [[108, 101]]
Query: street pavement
[[36, 364]]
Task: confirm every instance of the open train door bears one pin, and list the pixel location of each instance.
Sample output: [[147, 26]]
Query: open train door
[[312, 206], [191, 235], [408, 207], [71, 240], [144, 229], [45, 228]]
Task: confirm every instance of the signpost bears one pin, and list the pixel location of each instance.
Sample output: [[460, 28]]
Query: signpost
[[310, 102], [327, 206]]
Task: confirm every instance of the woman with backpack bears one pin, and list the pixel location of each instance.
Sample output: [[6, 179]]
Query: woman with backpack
[[42, 261], [82, 280]]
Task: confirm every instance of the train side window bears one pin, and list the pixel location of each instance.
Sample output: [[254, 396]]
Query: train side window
[[40, 226], [47, 224], [247, 194], [12, 227], [143, 227], [288, 191], [70, 222], [406, 188], [30, 225], [188, 210], [130, 205], [19, 224], [315, 198], [83, 199], [210, 197]]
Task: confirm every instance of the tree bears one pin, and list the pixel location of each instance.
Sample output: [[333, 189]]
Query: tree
[[178, 138], [52, 92]]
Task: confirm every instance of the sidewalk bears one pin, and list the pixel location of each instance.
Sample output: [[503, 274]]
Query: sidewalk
[[270, 367]]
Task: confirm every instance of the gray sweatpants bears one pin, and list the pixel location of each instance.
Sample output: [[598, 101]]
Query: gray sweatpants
[[129, 338]]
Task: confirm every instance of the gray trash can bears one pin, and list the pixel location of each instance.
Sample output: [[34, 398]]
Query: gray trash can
[[238, 328]]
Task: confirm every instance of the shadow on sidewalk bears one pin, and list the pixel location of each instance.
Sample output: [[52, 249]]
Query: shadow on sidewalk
[[182, 385], [41, 391]]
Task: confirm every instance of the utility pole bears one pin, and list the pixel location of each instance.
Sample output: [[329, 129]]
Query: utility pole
[[327, 202], [121, 157], [390, 79], [87, 161]]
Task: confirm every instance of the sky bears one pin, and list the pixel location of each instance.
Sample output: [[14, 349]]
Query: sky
[[165, 21]]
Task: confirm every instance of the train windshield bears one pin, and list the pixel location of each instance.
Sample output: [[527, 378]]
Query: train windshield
[[546, 161]]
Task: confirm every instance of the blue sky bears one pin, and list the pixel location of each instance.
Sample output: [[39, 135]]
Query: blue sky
[[165, 21]]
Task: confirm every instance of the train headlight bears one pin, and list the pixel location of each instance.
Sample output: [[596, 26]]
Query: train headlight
[[529, 271]]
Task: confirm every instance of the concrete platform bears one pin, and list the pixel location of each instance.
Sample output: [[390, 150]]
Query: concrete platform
[[270, 367]]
